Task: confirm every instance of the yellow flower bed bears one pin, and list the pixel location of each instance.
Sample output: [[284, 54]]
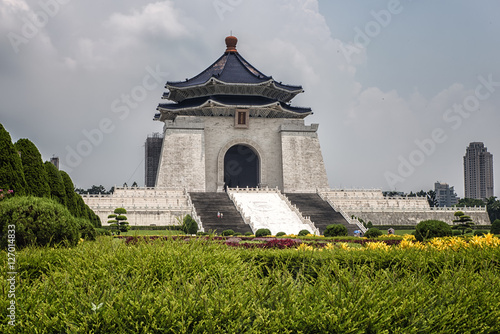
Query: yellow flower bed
[[408, 242]]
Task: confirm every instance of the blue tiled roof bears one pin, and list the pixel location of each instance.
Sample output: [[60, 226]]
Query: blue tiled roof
[[232, 100], [231, 67]]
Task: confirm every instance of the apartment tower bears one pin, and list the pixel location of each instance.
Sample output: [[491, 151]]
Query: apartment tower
[[478, 171]]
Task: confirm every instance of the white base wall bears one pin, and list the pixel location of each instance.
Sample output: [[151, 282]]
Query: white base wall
[[145, 206]]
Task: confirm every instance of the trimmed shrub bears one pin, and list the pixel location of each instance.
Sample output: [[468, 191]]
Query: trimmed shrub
[[248, 234], [87, 230], [303, 233], [34, 173], [56, 184], [456, 233], [480, 232], [227, 232], [335, 230], [262, 232], [11, 167], [373, 233], [495, 227], [38, 221], [428, 229], [189, 225], [279, 234], [71, 201], [102, 231]]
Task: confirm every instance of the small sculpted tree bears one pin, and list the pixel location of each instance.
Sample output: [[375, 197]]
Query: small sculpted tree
[[463, 222], [121, 219]]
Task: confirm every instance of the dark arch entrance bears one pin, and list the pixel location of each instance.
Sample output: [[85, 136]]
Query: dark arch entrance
[[241, 167]]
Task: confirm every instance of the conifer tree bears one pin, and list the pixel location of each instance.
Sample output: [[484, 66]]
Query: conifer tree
[[33, 169], [71, 200], [11, 169], [56, 185]]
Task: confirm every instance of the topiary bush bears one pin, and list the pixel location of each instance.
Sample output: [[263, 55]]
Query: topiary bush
[[373, 233], [335, 230], [280, 234], [428, 229], [227, 232], [87, 230], [248, 234], [262, 232], [38, 221], [189, 225], [303, 233], [495, 227], [102, 231]]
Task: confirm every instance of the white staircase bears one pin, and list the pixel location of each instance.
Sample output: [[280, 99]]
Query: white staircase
[[268, 208]]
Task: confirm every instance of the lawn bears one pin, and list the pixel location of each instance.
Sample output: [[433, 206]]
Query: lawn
[[205, 286]]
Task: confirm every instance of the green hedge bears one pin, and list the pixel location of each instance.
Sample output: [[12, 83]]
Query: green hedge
[[38, 221]]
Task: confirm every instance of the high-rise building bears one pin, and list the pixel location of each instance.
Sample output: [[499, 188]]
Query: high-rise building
[[55, 161], [445, 195], [478, 171], [152, 158]]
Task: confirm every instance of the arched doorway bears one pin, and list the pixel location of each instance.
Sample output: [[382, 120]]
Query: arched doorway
[[241, 167]]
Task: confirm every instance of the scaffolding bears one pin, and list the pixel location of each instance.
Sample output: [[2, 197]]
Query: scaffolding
[[152, 158]]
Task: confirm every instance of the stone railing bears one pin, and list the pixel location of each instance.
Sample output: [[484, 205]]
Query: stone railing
[[246, 219], [121, 192], [194, 214], [304, 220], [349, 219], [414, 209]]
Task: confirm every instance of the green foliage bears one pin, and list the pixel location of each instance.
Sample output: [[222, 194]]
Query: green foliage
[[493, 207], [335, 230], [11, 168], [495, 227], [469, 202], [34, 173], [94, 190], [262, 232], [248, 234], [227, 232], [38, 221], [463, 222], [428, 229], [87, 230], [120, 211], [102, 231], [303, 233], [69, 188], [373, 233], [280, 234], [369, 224], [189, 225], [203, 287], [56, 184]]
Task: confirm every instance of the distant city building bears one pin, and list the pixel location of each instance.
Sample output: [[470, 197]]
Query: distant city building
[[152, 158], [55, 161], [478, 171], [445, 195]]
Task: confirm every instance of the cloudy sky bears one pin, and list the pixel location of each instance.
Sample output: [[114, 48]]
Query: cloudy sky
[[399, 88]]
